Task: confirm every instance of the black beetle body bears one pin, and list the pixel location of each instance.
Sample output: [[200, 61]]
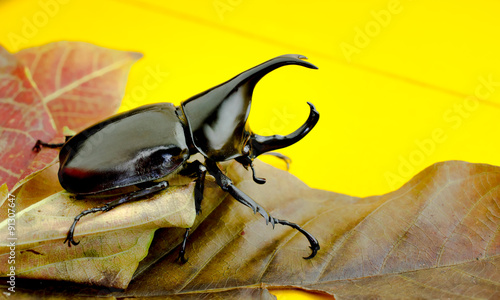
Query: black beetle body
[[134, 147], [145, 146]]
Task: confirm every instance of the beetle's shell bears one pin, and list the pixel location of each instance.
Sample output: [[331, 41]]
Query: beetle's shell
[[134, 147]]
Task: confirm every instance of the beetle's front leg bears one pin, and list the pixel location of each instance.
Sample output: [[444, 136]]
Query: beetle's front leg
[[153, 188], [227, 185], [200, 170], [181, 256]]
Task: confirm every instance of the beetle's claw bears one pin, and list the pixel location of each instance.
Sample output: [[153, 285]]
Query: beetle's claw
[[314, 249], [70, 240], [182, 259], [37, 146]]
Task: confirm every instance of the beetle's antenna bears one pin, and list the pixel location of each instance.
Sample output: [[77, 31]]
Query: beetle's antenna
[[261, 144]]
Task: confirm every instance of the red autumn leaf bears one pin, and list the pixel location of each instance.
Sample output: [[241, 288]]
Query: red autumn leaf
[[80, 83], [25, 119], [70, 84]]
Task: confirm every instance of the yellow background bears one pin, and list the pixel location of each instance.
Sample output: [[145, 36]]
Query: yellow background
[[401, 84]]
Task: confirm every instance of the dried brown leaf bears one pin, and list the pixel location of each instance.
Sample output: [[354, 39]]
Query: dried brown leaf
[[435, 237], [112, 243]]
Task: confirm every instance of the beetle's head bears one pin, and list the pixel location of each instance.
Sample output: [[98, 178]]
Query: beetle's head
[[217, 118]]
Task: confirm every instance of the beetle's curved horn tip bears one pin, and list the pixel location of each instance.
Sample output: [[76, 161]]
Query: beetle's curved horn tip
[[307, 64], [310, 65], [303, 58], [313, 109], [299, 56]]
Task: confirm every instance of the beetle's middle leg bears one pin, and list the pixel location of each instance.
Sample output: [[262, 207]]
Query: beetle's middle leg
[[227, 185], [198, 170], [195, 167], [153, 188]]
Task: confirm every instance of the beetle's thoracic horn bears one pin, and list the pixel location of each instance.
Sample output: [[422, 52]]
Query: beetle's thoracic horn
[[261, 144], [252, 76], [217, 117]]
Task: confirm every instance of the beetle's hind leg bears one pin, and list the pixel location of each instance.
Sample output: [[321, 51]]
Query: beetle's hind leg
[[227, 185], [151, 189], [39, 144]]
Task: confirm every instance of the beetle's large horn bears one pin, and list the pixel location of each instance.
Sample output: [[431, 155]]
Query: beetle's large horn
[[217, 118], [261, 144], [252, 76]]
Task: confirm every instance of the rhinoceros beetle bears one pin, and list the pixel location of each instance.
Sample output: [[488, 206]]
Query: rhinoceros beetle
[[146, 146]]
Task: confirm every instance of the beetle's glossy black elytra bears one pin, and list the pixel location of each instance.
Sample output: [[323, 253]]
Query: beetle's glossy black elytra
[[145, 146]]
